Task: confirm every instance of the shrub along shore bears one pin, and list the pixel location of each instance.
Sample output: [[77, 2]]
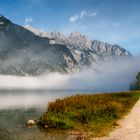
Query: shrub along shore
[[96, 114]]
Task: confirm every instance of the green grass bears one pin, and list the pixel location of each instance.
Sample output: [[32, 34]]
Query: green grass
[[95, 114]]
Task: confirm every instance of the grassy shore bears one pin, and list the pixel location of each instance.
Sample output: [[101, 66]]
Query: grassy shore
[[95, 114]]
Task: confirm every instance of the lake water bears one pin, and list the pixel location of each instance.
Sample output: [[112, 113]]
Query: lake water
[[17, 107]]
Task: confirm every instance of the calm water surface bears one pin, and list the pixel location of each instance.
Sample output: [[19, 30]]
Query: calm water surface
[[16, 107]]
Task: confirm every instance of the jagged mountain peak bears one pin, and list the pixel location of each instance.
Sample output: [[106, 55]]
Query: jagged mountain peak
[[77, 34], [77, 40], [108, 49], [87, 51]]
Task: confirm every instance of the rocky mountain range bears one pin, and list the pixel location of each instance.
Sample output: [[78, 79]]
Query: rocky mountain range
[[29, 51], [85, 51]]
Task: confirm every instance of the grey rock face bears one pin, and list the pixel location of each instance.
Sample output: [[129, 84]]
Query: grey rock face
[[85, 51], [24, 53]]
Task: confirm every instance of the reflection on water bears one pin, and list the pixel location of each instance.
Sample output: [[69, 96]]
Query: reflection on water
[[18, 107]]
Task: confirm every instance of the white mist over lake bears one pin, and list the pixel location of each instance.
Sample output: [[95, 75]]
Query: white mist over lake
[[29, 99], [112, 76]]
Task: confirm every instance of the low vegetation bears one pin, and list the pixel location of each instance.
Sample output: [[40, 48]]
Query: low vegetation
[[96, 114]]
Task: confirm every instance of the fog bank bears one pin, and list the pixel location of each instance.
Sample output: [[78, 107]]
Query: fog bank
[[113, 76]]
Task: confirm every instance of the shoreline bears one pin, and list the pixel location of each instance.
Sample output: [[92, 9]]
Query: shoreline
[[59, 117]]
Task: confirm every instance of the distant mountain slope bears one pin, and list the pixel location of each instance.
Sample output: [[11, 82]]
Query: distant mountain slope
[[24, 53], [84, 50], [29, 51]]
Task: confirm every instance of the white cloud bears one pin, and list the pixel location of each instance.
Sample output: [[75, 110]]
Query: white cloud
[[92, 14], [28, 20], [83, 14], [74, 18]]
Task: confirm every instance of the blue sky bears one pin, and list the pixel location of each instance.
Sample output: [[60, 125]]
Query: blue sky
[[112, 21]]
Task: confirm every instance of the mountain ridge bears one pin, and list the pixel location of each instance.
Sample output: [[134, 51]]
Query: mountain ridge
[[25, 51], [84, 50]]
